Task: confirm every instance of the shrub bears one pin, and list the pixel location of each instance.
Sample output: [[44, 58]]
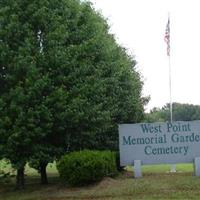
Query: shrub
[[84, 167]]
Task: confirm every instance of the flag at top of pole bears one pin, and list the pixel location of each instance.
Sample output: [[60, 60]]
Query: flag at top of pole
[[167, 36]]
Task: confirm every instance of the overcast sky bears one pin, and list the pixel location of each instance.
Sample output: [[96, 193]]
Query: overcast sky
[[139, 25]]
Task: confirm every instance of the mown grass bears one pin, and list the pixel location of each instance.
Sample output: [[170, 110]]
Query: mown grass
[[156, 183], [163, 168]]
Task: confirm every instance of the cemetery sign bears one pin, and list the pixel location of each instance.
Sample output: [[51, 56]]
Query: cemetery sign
[[160, 142]]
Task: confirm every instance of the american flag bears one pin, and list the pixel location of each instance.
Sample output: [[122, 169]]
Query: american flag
[[167, 36]]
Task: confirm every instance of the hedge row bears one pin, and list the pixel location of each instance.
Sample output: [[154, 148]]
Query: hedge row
[[84, 167]]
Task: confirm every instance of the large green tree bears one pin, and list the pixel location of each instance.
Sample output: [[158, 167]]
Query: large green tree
[[65, 82]]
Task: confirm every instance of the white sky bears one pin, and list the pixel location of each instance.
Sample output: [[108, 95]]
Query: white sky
[[139, 25]]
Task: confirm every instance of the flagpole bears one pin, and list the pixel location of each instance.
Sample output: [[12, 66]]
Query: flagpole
[[167, 40], [170, 89], [173, 166], [169, 64]]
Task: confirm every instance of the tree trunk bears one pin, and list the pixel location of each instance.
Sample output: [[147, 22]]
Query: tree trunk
[[43, 173], [20, 178]]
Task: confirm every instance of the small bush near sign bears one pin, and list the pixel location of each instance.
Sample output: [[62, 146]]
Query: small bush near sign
[[84, 167]]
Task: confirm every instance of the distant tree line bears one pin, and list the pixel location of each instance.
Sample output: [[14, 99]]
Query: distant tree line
[[181, 112]]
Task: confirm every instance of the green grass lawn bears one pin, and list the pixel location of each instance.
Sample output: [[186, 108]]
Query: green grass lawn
[[156, 183], [164, 168]]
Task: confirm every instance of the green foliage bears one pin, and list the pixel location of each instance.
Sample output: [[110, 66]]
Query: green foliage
[[6, 172], [84, 167], [181, 112], [65, 82]]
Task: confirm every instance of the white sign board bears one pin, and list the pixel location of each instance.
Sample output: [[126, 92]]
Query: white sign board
[[154, 143]]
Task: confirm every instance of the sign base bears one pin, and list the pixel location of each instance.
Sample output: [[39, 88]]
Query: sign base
[[197, 166], [137, 169]]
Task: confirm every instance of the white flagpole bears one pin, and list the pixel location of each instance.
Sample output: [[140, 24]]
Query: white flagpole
[[167, 40], [170, 90], [173, 166], [170, 76]]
